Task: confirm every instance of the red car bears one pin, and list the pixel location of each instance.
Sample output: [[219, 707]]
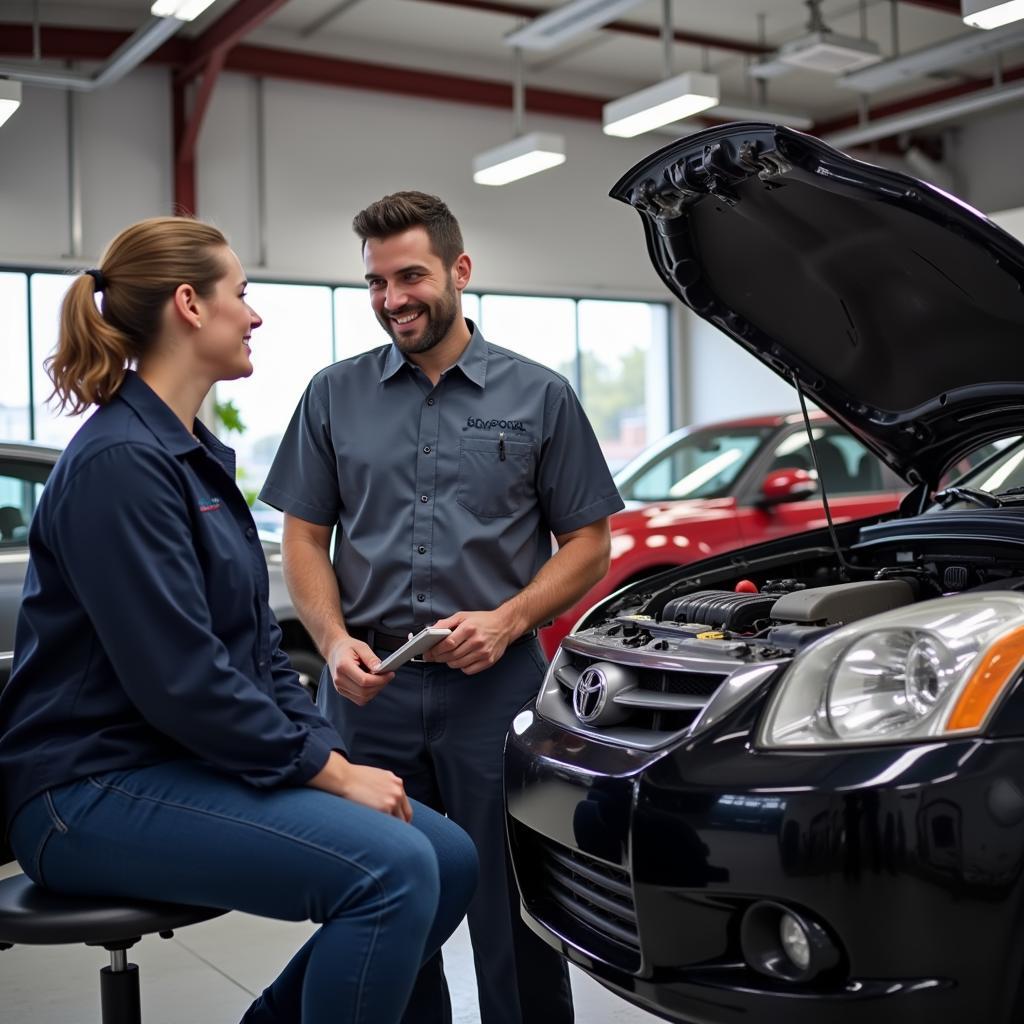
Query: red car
[[704, 490]]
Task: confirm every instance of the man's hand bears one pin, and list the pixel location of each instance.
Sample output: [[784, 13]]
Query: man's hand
[[478, 640], [351, 663], [375, 788]]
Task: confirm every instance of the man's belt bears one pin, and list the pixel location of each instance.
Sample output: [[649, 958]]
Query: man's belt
[[392, 641]]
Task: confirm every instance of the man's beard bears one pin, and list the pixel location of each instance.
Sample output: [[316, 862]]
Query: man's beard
[[440, 318]]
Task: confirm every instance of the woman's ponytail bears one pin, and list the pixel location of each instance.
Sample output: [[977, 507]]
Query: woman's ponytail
[[92, 355]]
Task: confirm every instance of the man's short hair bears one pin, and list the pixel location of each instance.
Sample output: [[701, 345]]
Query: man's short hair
[[401, 211]]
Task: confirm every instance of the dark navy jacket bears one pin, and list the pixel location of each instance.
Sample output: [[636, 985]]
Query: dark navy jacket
[[145, 634]]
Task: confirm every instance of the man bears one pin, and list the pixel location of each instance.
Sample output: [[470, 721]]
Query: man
[[446, 463]]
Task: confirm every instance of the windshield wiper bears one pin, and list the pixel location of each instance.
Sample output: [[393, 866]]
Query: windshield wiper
[[982, 498]]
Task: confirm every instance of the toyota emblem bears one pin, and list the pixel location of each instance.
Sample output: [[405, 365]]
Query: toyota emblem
[[590, 694]]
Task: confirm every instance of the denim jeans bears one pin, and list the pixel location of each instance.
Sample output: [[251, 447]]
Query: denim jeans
[[443, 733], [386, 894]]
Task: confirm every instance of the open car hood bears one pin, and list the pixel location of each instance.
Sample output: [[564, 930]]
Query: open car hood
[[897, 307]]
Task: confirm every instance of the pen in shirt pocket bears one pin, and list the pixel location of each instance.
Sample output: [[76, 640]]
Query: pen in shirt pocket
[[501, 447]]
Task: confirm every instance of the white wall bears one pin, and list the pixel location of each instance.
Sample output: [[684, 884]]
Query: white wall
[[723, 381], [988, 155], [124, 136], [1011, 221], [329, 152]]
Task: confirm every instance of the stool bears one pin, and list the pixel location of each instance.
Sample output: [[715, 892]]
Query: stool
[[33, 916]]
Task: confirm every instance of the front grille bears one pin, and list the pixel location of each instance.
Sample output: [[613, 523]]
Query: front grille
[[594, 893], [662, 701]]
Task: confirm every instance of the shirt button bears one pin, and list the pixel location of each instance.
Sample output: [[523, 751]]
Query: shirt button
[[250, 532], [422, 550], [426, 449], [261, 663], [424, 498], [430, 401], [421, 597]]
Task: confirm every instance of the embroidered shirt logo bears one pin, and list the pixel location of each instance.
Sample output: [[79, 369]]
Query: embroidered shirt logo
[[209, 504], [479, 424]]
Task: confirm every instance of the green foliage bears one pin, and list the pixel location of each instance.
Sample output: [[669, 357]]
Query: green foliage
[[229, 416], [250, 494]]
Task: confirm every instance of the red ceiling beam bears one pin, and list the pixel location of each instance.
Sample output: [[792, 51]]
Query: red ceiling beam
[[623, 27], [227, 31], [58, 43], [945, 6], [206, 56], [317, 70]]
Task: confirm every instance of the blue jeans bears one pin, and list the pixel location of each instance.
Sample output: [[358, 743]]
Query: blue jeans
[[386, 894]]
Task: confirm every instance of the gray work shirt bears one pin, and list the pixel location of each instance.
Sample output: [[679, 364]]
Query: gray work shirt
[[445, 497]]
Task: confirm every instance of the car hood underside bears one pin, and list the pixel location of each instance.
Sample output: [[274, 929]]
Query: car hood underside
[[897, 308]]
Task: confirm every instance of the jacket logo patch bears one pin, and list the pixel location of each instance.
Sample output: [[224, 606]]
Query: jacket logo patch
[[209, 504], [479, 424]]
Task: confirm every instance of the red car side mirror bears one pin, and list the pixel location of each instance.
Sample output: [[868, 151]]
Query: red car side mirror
[[785, 485]]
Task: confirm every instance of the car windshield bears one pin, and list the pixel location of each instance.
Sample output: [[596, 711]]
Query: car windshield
[[996, 473], [701, 464]]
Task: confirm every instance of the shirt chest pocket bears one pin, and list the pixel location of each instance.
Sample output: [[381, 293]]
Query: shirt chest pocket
[[495, 476]]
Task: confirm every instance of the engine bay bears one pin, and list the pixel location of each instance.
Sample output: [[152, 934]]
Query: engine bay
[[757, 611]]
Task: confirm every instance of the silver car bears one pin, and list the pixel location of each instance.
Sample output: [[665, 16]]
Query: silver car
[[24, 470]]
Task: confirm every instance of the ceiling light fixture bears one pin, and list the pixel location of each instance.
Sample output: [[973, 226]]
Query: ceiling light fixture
[[527, 153], [820, 50], [183, 10], [10, 98], [674, 98], [987, 14], [566, 22], [523, 156]]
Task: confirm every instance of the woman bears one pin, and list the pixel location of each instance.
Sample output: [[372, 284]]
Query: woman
[[154, 741]]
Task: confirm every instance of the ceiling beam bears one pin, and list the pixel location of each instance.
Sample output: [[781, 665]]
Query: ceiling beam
[[226, 32], [518, 10], [354, 74], [945, 6], [94, 44], [60, 43]]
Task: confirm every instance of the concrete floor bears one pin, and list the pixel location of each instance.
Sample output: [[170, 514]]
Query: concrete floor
[[209, 974]]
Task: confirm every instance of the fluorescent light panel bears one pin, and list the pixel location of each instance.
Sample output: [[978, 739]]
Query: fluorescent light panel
[[672, 100], [10, 98], [567, 22], [528, 154], [986, 14], [183, 10]]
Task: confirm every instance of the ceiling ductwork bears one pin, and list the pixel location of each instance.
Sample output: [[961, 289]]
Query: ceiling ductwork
[[128, 56], [940, 57], [925, 117]]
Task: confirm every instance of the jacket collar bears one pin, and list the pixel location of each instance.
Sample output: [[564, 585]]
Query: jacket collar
[[168, 430], [472, 362]]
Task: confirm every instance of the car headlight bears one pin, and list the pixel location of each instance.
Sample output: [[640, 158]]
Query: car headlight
[[933, 669]]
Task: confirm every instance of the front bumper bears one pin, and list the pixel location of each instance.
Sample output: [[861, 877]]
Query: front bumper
[[639, 868]]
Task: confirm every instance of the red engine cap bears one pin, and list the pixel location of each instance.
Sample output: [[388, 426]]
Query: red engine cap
[[746, 587]]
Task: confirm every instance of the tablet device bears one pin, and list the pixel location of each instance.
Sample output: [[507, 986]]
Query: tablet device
[[422, 641]]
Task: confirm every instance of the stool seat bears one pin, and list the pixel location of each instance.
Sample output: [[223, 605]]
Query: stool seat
[[33, 916]]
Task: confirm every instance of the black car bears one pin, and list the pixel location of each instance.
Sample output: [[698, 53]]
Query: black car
[[787, 783]]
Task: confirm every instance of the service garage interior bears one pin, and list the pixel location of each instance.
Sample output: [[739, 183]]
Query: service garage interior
[[277, 120]]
